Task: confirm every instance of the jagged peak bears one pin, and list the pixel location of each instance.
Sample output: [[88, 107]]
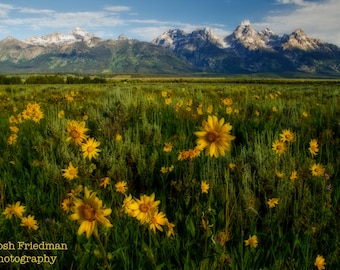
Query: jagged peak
[[175, 32], [267, 32], [122, 37], [245, 28], [245, 23], [76, 35], [299, 32], [9, 38], [206, 31], [299, 40]]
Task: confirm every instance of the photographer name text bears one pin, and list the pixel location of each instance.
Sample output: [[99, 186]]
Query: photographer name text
[[30, 246]]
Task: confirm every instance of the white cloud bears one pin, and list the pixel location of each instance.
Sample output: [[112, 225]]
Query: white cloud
[[35, 11], [296, 2], [64, 20], [117, 8], [317, 19], [148, 33], [5, 9]]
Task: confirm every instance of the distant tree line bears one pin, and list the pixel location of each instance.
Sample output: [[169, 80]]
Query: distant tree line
[[50, 79], [10, 80], [84, 80]]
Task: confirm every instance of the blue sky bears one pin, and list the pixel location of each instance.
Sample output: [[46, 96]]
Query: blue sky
[[145, 20]]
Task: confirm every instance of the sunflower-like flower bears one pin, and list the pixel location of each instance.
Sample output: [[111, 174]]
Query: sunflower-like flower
[[320, 262], [157, 221], [89, 212], [12, 139], [71, 172], [121, 187], [204, 187], [313, 147], [76, 132], [66, 204], [214, 136], [29, 222], [252, 241], [104, 182], [167, 147], [273, 202], [279, 147], [144, 208], [90, 149], [170, 231], [293, 176], [317, 170], [287, 136], [14, 210], [127, 202]]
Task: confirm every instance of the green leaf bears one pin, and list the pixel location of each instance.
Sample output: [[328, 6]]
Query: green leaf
[[189, 224]]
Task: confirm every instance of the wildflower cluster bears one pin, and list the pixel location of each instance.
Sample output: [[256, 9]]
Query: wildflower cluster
[[69, 97], [76, 133], [167, 169], [280, 146], [228, 102], [145, 210], [32, 111], [189, 154], [17, 210], [167, 97]]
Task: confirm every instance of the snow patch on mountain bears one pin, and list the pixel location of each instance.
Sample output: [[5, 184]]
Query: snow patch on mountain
[[173, 38], [77, 35], [299, 40]]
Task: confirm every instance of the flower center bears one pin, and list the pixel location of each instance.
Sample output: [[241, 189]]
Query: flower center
[[73, 172], [74, 134], [143, 207], [90, 149], [212, 136], [88, 212]]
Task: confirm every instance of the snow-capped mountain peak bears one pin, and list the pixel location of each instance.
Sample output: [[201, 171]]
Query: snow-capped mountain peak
[[246, 36], [174, 38], [299, 40], [76, 35], [169, 38]]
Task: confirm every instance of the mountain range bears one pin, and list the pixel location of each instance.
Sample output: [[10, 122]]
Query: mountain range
[[244, 51]]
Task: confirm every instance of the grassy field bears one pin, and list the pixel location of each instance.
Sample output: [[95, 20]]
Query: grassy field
[[144, 174]]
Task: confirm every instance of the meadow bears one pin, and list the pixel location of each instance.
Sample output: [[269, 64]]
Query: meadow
[[170, 174]]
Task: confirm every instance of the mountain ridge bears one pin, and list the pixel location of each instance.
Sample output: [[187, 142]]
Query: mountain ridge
[[244, 51], [248, 51]]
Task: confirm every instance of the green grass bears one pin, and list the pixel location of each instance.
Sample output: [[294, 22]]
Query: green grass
[[210, 229]]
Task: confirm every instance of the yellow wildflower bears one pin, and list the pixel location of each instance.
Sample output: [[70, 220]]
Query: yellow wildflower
[[205, 187], [90, 149], [214, 136], [89, 212], [29, 222], [273, 202], [121, 187], [252, 241], [16, 210]]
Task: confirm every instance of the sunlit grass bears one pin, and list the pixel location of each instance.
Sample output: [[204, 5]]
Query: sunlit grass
[[265, 196]]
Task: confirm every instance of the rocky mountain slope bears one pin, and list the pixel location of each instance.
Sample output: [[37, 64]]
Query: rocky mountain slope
[[81, 52], [247, 51], [174, 52]]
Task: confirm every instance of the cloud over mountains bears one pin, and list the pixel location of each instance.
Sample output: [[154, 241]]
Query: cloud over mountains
[[317, 18]]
